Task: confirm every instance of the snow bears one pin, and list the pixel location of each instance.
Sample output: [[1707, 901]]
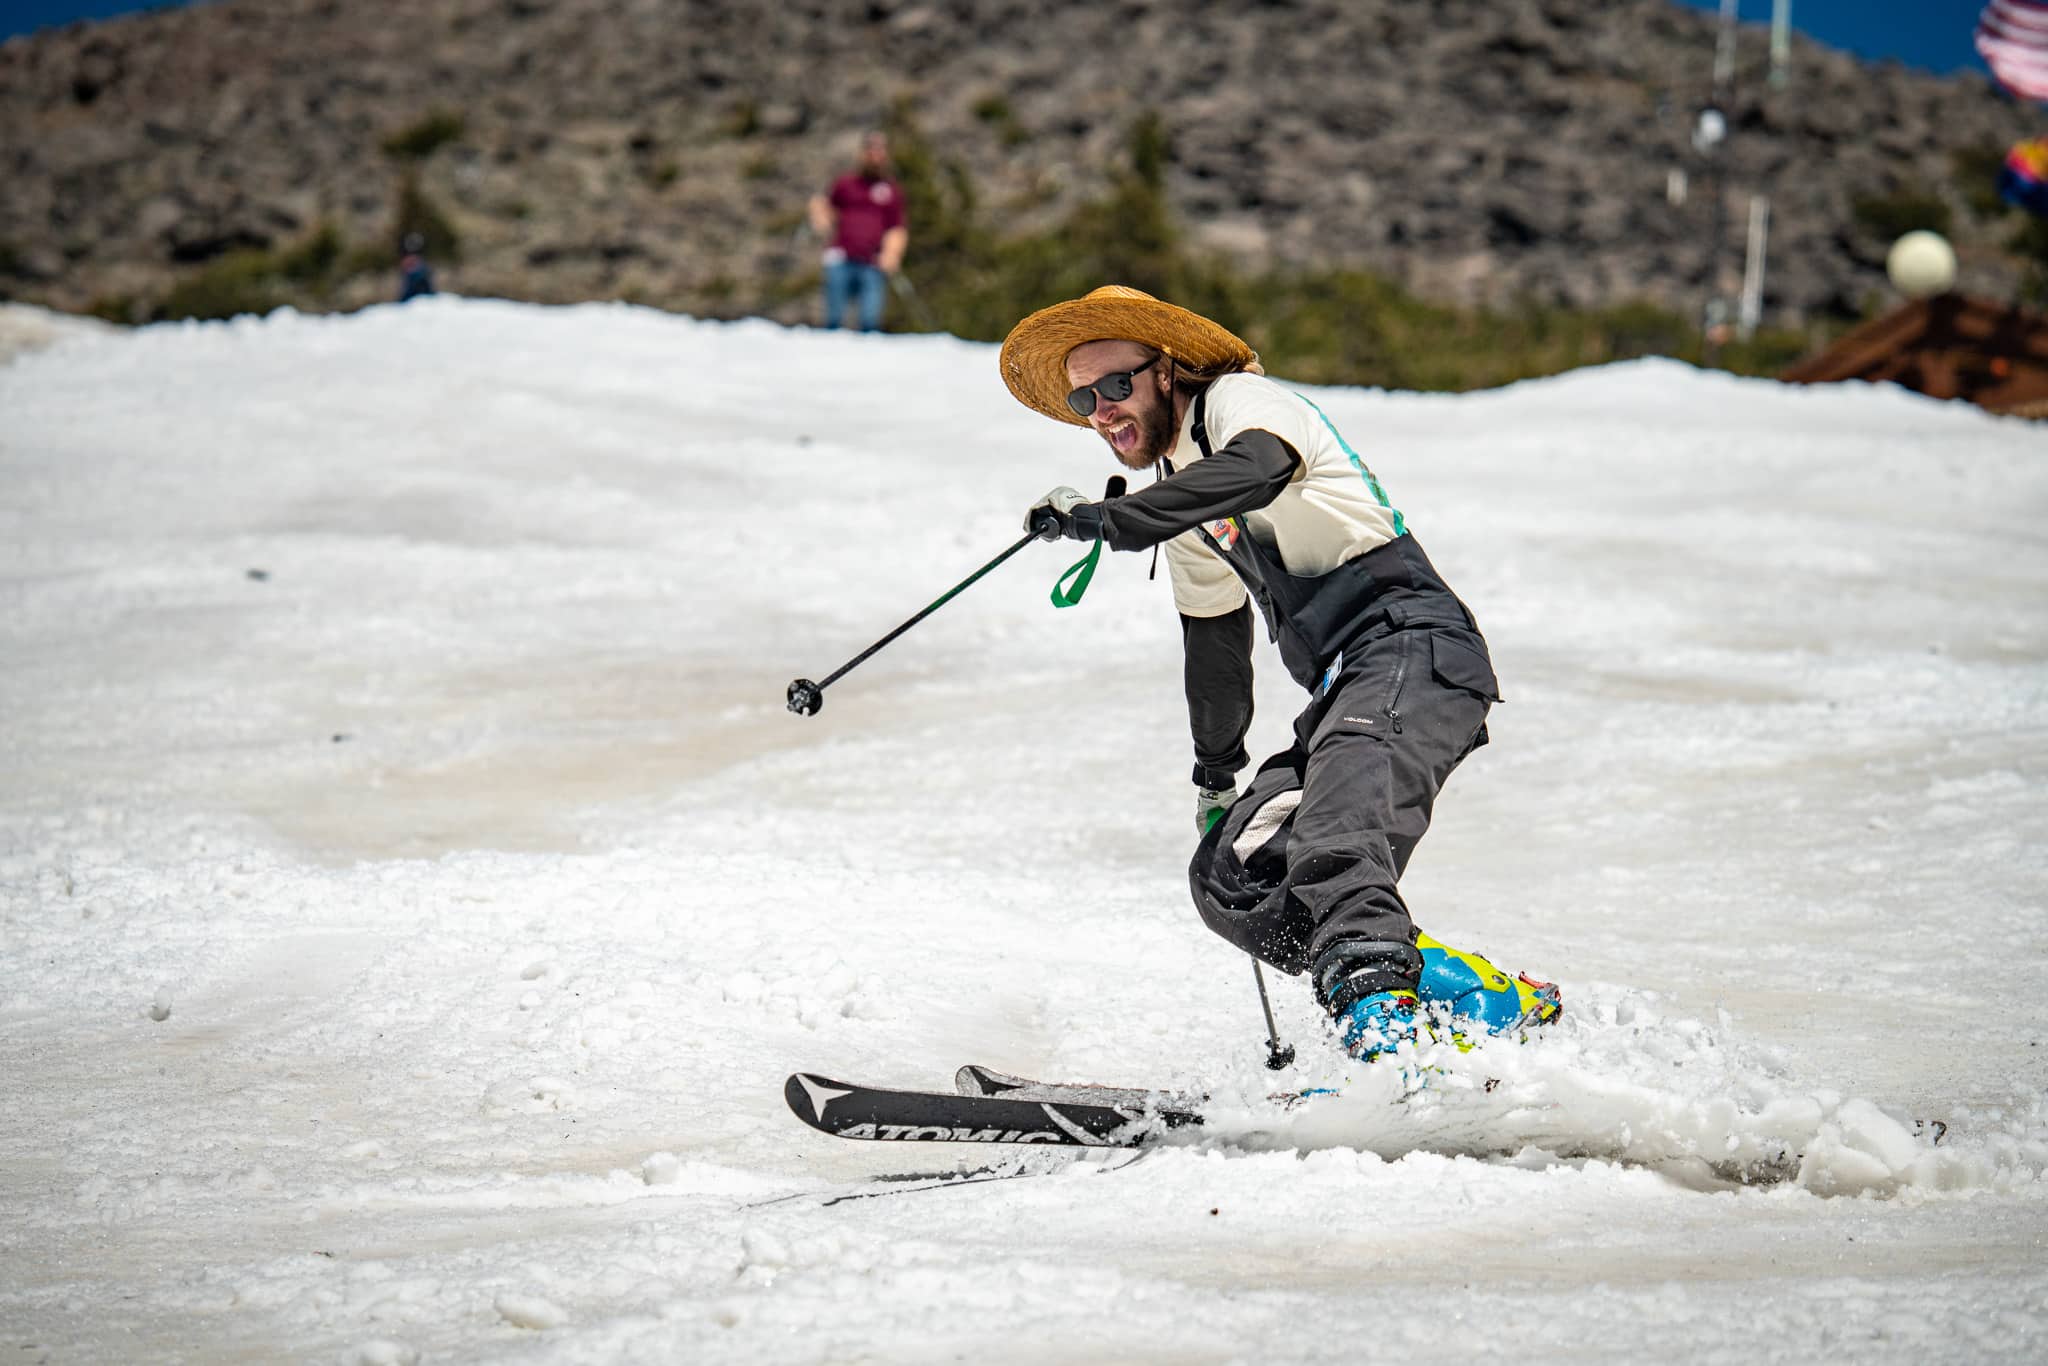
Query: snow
[[413, 891], [25, 328]]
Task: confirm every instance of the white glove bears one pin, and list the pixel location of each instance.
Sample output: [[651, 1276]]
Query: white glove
[[1061, 503], [1210, 804]]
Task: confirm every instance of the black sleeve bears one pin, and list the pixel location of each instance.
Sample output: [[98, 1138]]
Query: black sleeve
[[1219, 684], [1247, 474]]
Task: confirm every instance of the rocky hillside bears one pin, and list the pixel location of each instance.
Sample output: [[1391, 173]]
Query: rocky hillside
[[661, 150]]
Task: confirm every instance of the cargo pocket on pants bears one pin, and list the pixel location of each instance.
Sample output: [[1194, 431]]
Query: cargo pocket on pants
[[1459, 665]]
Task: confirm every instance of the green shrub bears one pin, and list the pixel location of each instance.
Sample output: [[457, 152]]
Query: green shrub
[[421, 139], [1907, 209], [1771, 352], [2030, 243], [239, 282], [125, 309], [369, 258], [994, 110], [316, 261], [1976, 177], [303, 274], [416, 212]]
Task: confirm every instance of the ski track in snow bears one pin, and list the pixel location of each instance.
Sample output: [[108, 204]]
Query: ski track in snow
[[413, 891]]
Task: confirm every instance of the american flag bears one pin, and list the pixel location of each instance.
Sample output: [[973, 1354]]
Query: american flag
[[2012, 38]]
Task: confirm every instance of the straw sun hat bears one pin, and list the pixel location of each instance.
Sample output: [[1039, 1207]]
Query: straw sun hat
[[1034, 358]]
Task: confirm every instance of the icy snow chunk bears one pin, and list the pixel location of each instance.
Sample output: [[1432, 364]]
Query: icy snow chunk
[[763, 1256], [661, 1169], [1789, 1115], [386, 1352], [1859, 1149], [1632, 1009], [1869, 1129], [1831, 1167], [530, 1311], [160, 1007]]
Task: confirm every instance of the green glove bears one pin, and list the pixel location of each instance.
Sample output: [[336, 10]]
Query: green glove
[[1210, 804]]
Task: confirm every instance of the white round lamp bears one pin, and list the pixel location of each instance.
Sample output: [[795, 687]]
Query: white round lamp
[[1921, 264]]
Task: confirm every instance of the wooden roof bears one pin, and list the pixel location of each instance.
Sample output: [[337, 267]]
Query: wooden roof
[[1949, 346]]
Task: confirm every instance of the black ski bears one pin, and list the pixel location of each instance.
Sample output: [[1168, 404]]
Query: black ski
[[976, 1080], [846, 1110]]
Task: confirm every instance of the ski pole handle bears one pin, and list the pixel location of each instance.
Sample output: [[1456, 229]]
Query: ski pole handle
[[1046, 524]]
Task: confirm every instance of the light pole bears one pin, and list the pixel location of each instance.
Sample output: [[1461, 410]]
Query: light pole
[[1781, 42], [1709, 132]]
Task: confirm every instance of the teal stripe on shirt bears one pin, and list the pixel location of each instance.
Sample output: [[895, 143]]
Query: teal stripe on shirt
[[1371, 481]]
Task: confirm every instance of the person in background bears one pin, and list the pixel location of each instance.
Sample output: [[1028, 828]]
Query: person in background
[[861, 220], [415, 276]]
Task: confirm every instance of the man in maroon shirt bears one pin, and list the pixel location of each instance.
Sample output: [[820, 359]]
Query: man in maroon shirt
[[861, 217]]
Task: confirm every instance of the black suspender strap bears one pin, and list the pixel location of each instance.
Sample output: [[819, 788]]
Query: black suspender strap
[[1159, 472], [1201, 430]]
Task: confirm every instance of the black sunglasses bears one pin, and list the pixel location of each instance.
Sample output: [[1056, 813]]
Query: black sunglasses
[[1116, 388]]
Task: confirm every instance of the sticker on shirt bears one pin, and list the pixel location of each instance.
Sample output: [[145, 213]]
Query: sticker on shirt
[[1225, 531], [881, 192], [1330, 676]]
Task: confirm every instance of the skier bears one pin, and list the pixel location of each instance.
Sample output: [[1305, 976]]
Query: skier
[[1258, 498]]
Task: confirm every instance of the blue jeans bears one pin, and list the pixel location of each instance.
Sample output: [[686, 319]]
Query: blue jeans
[[846, 279]]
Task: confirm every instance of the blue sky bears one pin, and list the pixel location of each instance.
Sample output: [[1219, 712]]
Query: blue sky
[[1934, 34], [26, 16]]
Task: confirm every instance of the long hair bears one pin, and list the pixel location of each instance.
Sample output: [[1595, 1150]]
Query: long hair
[[1196, 378]]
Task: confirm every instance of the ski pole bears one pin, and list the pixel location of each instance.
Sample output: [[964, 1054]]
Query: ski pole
[[1278, 1054], [806, 697]]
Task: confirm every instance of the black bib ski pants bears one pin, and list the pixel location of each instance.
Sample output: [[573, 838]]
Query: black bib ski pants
[[1304, 870]]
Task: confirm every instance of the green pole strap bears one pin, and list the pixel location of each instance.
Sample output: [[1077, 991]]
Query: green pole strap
[[1082, 571]]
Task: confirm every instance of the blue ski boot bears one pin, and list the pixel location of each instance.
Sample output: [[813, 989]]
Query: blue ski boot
[[1375, 1025], [1468, 990]]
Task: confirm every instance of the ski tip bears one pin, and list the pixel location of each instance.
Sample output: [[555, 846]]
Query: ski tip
[[808, 1094]]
